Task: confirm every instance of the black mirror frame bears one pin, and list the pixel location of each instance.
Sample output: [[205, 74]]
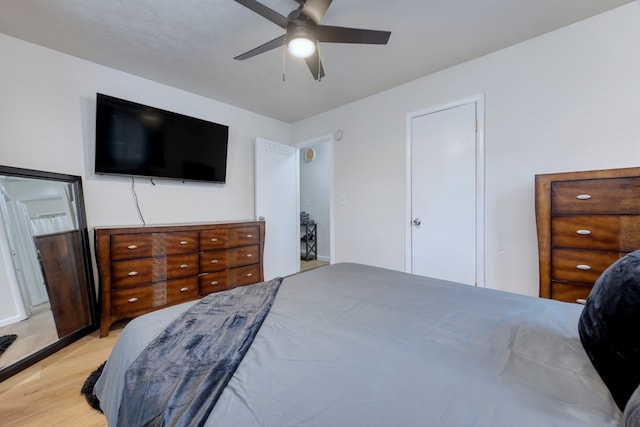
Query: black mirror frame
[[87, 264]]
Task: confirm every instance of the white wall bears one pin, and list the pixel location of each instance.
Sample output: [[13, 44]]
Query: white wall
[[47, 122], [565, 101]]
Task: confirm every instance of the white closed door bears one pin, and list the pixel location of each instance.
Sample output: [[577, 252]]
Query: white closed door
[[444, 202], [277, 172]]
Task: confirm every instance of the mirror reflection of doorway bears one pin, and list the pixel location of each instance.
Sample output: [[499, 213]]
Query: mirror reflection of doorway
[[30, 208]]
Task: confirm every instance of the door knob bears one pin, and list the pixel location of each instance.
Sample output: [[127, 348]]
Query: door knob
[[417, 222]]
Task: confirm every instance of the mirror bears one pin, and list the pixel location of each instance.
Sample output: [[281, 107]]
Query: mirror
[[47, 294]]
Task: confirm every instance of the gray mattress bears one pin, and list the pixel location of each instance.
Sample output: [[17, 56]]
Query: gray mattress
[[355, 345]]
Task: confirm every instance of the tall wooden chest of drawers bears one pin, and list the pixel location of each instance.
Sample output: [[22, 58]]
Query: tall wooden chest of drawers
[[143, 269], [585, 221]]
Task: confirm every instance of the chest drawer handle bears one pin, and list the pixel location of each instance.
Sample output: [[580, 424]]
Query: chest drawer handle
[[581, 301], [184, 242], [583, 196], [214, 261], [249, 236], [215, 282], [133, 273], [184, 289], [132, 300], [583, 267], [583, 232], [183, 266], [249, 274], [132, 247], [213, 240], [249, 255]]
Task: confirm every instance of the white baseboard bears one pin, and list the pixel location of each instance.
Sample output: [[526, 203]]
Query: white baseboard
[[10, 321]]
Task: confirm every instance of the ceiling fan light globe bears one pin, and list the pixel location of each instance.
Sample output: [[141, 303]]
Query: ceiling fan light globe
[[302, 47]]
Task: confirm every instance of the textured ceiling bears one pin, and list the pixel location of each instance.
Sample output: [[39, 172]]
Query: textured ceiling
[[190, 44]]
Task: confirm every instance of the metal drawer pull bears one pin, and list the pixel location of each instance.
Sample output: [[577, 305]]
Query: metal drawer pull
[[184, 289], [132, 247], [214, 261], [184, 242], [581, 301], [249, 255], [133, 299], [249, 274], [583, 196], [249, 235], [583, 232], [133, 273], [184, 266], [215, 282], [583, 267], [213, 239]]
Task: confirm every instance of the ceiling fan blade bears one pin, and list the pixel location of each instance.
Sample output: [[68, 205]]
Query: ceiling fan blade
[[275, 43], [265, 12], [315, 9], [330, 34], [315, 65]]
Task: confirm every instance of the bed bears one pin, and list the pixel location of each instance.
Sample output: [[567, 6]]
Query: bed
[[357, 345]]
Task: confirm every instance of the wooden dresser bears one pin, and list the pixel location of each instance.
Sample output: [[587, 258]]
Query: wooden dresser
[[142, 269], [585, 221]]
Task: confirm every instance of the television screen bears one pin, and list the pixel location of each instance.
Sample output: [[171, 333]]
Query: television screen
[[138, 140]]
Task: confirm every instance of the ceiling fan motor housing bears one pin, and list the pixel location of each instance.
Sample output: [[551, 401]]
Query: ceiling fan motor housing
[[301, 27]]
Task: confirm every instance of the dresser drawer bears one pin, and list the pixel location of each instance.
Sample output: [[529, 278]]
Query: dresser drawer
[[181, 266], [213, 282], [135, 272], [580, 266], [158, 295], [214, 260], [139, 271], [229, 258], [619, 233], [244, 255], [180, 290], [596, 196], [244, 275], [129, 246], [214, 239], [181, 243], [229, 279], [570, 292], [242, 236]]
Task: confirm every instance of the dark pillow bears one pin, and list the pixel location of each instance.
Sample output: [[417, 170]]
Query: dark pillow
[[609, 327], [632, 410]]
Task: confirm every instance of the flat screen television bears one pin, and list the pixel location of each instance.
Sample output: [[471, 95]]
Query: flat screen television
[[137, 140]]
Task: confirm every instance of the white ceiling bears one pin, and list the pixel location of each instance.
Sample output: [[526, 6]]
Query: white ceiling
[[190, 44]]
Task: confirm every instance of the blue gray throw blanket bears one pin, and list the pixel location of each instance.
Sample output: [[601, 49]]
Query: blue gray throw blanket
[[179, 377]]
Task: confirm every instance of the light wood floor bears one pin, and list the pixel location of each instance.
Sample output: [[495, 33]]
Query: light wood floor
[[48, 393], [310, 265]]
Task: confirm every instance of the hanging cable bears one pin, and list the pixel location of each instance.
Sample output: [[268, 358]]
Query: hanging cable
[[284, 60], [135, 200], [319, 63]]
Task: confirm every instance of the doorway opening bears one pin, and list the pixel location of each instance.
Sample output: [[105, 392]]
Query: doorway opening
[[315, 202]]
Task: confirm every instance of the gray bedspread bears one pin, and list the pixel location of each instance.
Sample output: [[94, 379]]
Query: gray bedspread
[[353, 345]]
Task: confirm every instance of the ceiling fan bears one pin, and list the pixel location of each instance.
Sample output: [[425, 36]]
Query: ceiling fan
[[304, 32]]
